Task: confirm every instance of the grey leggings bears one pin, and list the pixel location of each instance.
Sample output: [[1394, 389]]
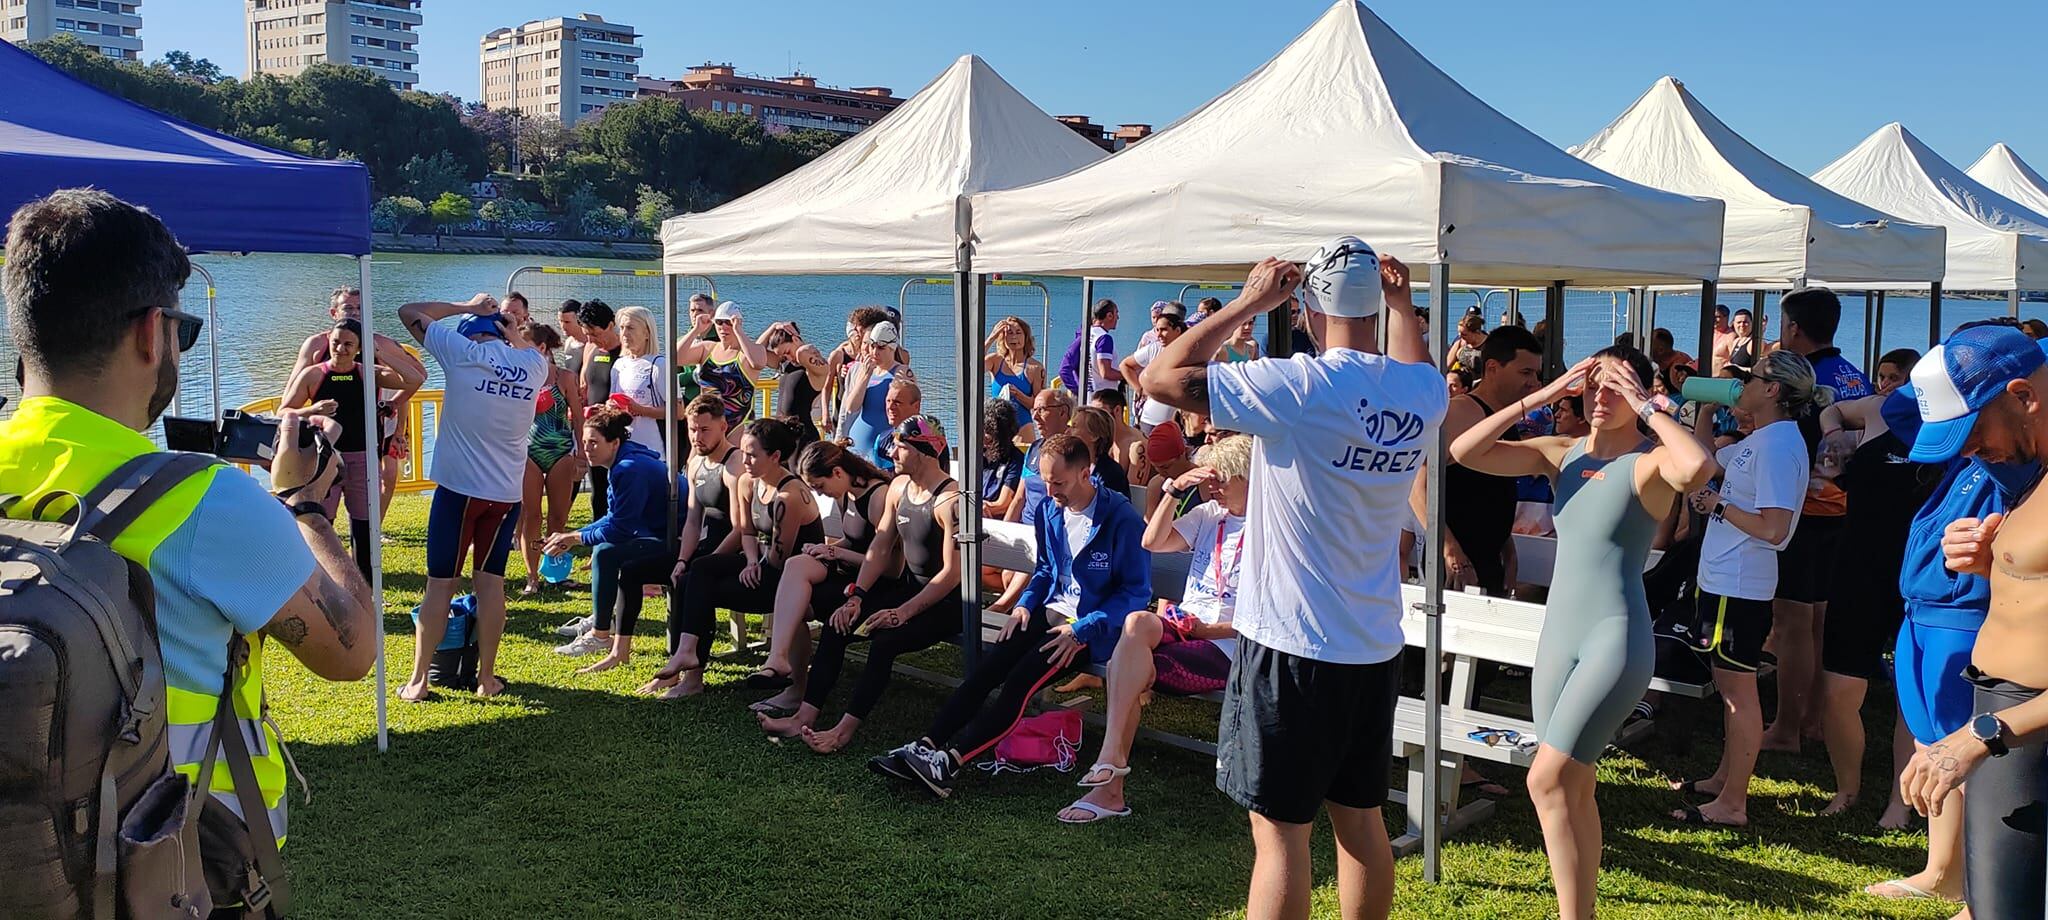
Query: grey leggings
[[2003, 825]]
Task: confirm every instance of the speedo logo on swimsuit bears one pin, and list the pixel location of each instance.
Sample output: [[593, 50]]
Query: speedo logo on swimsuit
[[1390, 433]]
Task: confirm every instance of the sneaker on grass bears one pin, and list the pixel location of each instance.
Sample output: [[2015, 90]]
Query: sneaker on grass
[[931, 767], [586, 644], [576, 627]]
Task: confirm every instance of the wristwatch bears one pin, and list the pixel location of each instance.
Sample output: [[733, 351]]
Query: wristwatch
[[1720, 512], [856, 592], [1655, 405], [1990, 729]]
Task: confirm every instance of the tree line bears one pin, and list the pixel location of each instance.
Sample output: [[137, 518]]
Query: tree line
[[617, 173]]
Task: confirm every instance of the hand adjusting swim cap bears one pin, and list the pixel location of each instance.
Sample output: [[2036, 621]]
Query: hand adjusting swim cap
[[1343, 279]]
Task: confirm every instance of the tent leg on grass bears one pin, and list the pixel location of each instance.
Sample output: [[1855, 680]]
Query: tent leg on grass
[[371, 424], [1433, 568]]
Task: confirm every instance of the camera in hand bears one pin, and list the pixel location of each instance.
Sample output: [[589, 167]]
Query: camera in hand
[[240, 436]]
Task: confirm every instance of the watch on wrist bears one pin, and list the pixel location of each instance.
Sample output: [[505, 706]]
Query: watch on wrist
[[1990, 730], [1655, 405], [856, 592], [1720, 512]]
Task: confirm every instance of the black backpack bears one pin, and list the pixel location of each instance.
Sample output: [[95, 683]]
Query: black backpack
[[94, 822]]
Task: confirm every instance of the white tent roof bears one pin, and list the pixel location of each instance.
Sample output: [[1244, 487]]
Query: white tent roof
[[1994, 244], [1348, 130], [882, 202], [1781, 225], [2002, 171]]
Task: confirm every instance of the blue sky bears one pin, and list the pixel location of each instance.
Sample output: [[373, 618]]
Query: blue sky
[[1804, 79]]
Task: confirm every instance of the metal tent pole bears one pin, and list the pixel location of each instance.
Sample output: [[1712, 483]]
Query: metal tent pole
[[970, 309], [676, 460], [1869, 331], [1553, 328], [376, 505], [1756, 326], [1424, 803], [2012, 302], [1934, 314], [1877, 327], [1087, 360]]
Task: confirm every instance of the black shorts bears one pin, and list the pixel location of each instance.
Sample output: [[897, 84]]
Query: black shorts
[[1297, 732], [1855, 636], [1734, 630], [1806, 566]]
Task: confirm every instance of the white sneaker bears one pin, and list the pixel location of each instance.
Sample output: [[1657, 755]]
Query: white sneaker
[[585, 645], [576, 627]]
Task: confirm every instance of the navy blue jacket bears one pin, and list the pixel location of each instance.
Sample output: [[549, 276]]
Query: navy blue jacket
[[639, 498], [1114, 570]]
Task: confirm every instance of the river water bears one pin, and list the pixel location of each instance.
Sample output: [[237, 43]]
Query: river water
[[267, 304]]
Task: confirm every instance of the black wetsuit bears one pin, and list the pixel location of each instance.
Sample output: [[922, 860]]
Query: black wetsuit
[[923, 538]]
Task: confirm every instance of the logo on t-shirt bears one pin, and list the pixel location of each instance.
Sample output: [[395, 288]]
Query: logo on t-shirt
[[1098, 560], [509, 382], [1391, 433]]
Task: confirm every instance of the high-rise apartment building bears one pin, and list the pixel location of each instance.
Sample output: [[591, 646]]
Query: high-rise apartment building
[[288, 36], [564, 68], [112, 26]]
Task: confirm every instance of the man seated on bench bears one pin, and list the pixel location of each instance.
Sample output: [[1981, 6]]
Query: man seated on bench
[[1092, 571], [1187, 650]]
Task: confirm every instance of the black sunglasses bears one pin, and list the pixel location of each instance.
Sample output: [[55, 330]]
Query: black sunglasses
[[188, 325]]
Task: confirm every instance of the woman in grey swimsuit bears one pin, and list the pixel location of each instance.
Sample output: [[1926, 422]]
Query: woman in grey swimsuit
[[1594, 659]]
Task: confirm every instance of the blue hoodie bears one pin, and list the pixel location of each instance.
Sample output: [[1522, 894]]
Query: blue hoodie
[[639, 498], [1934, 595], [1114, 575]]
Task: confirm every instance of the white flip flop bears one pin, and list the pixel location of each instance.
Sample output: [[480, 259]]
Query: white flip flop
[[1912, 892], [1115, 772], [1095, 813]]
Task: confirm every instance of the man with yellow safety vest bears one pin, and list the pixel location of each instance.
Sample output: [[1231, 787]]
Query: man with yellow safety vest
[[91, 285]]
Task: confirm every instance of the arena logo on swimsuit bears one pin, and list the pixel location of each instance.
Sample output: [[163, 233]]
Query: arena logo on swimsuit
[[508, 383], [1390, 432]]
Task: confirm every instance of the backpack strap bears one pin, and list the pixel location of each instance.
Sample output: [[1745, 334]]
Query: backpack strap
[[267, 891], [133, 487]]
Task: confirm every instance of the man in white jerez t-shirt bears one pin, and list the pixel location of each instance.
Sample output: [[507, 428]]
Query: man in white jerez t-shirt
[[1338, 441], [492, 378]]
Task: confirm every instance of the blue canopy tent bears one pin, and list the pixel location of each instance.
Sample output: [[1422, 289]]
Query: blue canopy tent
[[216, 193]]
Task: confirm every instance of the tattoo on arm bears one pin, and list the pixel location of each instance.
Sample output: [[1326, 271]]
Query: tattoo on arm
[[291, 631], [336, 611]]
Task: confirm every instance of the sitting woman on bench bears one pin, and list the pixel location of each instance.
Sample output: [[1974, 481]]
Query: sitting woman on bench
[[1185, 651], [1092, 571], [814, 583], [1595, 656], [896, 615], [775, 514]]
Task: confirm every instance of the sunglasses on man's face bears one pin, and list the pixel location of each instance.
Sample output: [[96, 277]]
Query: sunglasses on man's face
[[188, 325]]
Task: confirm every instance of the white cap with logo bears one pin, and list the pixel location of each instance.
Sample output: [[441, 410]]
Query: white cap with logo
[[1343, 279]]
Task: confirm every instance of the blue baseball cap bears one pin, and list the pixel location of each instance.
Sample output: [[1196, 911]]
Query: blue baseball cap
[[478, 324], [1959, 377], [1901, 413]]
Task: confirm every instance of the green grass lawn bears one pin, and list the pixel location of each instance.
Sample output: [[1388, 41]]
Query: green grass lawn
[[570, 797]]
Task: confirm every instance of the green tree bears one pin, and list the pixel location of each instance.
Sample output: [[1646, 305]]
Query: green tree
[[650, 208], [450, 209], [428, 178], [610, 221], [184, 64], [509, 210], [394, 214]]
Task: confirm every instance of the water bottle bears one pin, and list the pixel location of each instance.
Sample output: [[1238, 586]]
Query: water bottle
[[555, 568], [1721, 391]]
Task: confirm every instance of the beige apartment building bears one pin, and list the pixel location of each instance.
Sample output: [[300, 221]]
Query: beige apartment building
[[112, 26], [288, 36], [564, 68]]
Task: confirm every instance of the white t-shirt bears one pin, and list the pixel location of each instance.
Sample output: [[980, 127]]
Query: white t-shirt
[[1066, 605], [1768, 469], [1104, 346], [1338, 440], [486, 413], [1216, 541], [640, 380]]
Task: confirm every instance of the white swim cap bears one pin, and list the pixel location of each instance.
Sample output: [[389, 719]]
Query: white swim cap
[[1343, 279]]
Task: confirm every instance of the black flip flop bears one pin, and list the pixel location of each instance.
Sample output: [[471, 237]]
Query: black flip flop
[[1691, 816], [767, 678]]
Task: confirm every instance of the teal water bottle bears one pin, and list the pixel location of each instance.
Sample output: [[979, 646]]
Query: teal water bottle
[[1721, 391], [555, 568]]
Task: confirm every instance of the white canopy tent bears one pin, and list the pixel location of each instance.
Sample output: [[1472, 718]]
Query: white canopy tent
[[883, 201], [2002, 171], [1349, 130], [1782, 227], [1994, 243], [889, 201]]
